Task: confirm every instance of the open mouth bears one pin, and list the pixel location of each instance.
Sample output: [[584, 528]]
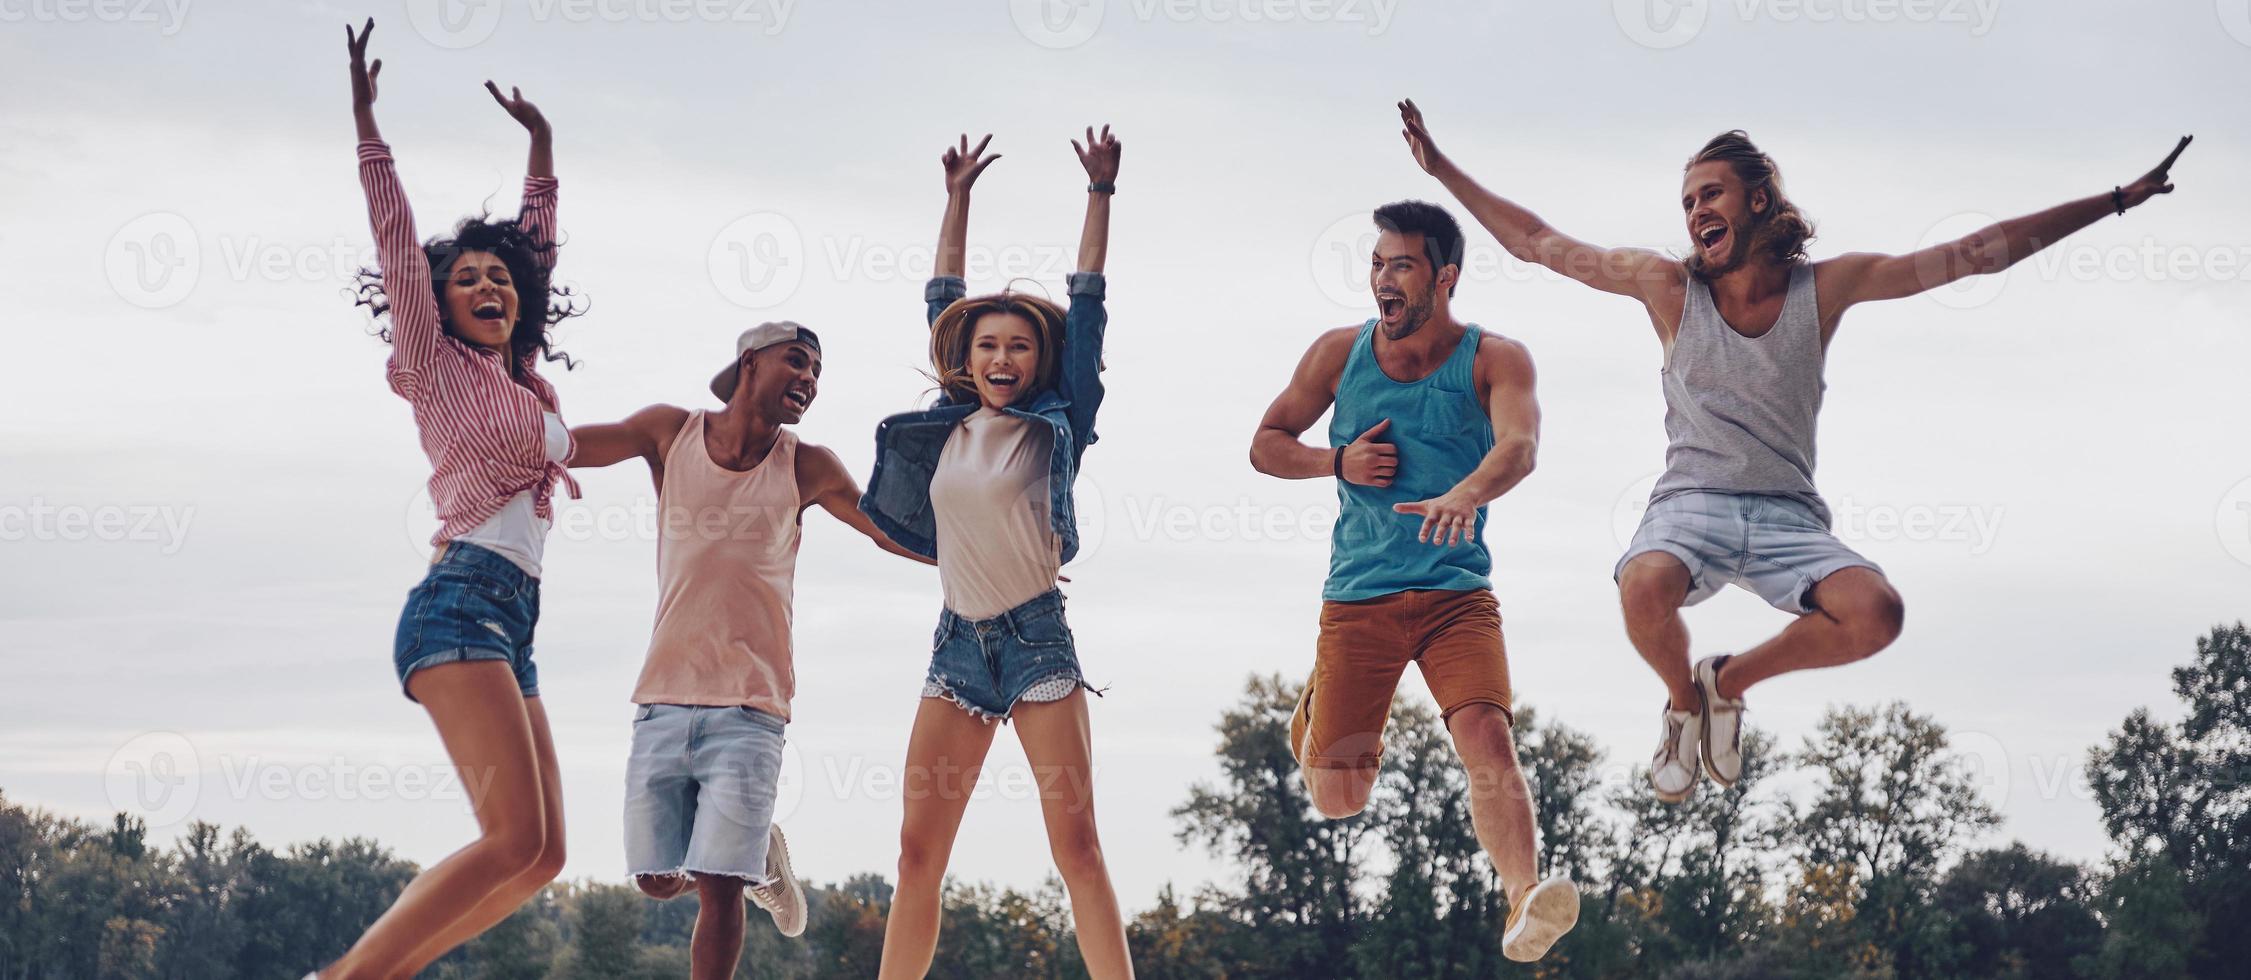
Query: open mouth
[[1711, 236], [489, 311], [1002, 381], [798, 398], [1392, 305]]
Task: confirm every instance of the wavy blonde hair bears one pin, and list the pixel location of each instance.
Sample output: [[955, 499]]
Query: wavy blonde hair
[[1782, 232], [951, 333]]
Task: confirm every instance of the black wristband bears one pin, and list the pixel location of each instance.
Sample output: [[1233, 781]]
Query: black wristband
[[2118, 199], [1102, 187], [1339, 467]]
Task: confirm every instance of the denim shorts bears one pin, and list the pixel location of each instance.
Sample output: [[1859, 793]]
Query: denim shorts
[[985, 665], [700, 789], [1775, 547], [474, 604]]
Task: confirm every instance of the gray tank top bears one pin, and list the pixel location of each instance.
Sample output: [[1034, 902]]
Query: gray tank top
[[1740, 411]]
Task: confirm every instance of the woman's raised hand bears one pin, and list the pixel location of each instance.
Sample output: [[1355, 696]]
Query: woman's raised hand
[[1100, 155], [363, 76], [964, 164], [519, 108]]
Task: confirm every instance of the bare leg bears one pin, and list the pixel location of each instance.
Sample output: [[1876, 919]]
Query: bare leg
[[1339, 793], [1651, 591], [663, 888], [1059, 744], [718, 940], [511, 895], [1857, 613], [1500, 803], [481, 718], [944, 755]]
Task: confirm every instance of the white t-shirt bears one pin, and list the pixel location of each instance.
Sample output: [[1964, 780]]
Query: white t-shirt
[[517, 531], [996, 547]]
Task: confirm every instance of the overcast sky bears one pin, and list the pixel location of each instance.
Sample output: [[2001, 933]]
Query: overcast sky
[[211, 506]]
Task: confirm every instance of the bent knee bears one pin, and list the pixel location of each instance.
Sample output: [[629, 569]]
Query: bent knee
[[661, 887], [1874, 619], [1653, 584], [1483, 729], [1339, 793], [550, 864], [516, 851]]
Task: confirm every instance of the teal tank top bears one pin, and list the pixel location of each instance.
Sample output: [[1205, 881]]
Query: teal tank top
[[1442, 433]]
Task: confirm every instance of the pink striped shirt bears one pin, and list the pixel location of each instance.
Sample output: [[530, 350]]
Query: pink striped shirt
[[481, 429]]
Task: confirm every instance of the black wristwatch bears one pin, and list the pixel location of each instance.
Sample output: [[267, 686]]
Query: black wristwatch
[[1339, 466], [1102, 187]]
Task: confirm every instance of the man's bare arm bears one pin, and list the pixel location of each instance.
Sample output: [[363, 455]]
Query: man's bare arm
[[1513, 405], [1861, 277], [1277, 449]]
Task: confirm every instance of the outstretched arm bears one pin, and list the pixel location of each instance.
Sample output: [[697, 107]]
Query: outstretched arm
[[1863, 276], [644, 435], [1506, 369], [1277, 450], [538, 216], [823, 480], [1641, 273]]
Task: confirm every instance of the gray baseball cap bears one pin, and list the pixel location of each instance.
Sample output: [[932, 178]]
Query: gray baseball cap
[[760, 337]]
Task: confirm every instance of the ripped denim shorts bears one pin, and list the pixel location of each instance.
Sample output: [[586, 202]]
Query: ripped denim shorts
[[987, 665], [474, 604]]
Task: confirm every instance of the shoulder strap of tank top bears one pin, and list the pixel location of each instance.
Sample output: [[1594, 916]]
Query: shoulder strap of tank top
[[1801, 301], [1460, 369], [1363, 350], [1696, 302], [690, 435]]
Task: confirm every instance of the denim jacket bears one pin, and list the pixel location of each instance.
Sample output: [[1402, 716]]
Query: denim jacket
[[907, 445]]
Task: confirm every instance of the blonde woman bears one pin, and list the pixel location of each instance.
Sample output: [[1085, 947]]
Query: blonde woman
[[981, 482]]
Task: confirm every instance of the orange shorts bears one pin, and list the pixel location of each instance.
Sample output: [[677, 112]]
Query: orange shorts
[[1455, 636]]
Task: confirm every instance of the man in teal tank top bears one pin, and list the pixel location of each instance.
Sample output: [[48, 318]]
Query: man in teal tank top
[[1434, 419]]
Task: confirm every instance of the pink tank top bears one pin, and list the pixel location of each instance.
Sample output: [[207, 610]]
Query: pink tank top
[[726, 563]]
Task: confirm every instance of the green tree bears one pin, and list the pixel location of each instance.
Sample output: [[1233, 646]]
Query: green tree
[[2181, 794], [1891, 804], [1441, 907], [304, 908], [2017, 913], [1300, 871]]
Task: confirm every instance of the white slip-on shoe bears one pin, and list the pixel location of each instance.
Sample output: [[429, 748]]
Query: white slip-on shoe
[[1674, 769], [1723, 724], [1548, 911], [781, 895]]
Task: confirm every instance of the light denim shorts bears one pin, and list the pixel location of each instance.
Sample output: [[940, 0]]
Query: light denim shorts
[[1775, 547], [699, 790]]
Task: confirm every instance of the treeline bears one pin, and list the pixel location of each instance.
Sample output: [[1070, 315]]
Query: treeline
[[1865, 867]]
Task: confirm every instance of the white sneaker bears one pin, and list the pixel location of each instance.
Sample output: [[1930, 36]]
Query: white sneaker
[[1723, 724], [1548, 911], [1674, 769], [782, 895]]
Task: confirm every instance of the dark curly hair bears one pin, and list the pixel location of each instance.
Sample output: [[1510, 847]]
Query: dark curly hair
[[540, 305]]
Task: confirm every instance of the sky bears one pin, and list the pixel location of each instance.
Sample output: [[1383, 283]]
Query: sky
[[211, 506]]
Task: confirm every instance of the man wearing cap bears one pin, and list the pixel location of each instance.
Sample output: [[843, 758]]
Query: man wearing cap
[[714, 695]]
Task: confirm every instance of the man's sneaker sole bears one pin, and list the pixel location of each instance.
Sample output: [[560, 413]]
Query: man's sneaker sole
[[1551, 908], [1695, 769], [796, 893], [1711, 694]]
